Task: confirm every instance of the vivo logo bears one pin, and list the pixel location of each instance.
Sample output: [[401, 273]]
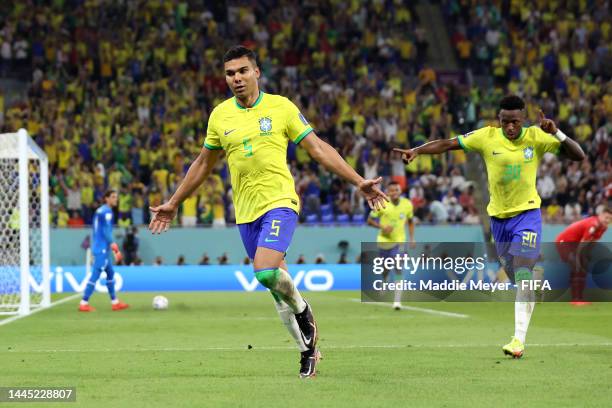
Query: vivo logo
[[314, 280], [64, 281]]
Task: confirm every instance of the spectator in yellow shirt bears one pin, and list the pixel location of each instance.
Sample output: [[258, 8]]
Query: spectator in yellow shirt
[[190, 211], [62, 217], [583, 131]]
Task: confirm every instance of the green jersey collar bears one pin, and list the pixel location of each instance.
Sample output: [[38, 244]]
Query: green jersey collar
[[259, 98]]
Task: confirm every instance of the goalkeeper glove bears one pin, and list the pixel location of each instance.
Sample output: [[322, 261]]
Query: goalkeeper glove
[[116, 252]]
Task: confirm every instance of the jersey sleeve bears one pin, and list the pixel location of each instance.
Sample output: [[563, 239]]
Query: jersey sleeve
[[590, 232], [213, 139], [473, 141], [297, 125], [107, 227], [374, 214], [409, 210], [546, 143]]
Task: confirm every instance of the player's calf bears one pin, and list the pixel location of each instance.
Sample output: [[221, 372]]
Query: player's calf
[[280, 283], [523, 309]]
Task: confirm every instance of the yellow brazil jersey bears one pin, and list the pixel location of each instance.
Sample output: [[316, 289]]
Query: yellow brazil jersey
[[255, 141], [512, 166], [397, 216]]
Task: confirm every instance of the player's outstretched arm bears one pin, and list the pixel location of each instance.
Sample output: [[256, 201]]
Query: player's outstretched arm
[[328, 156], [433, 147], [569, 148], [197, 173]]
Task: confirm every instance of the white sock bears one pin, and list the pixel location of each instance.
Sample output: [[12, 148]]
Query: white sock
[[398, 292], [398, 296], [523, 308], [288, 318], [114, 301], [522, 316], [84, 302]]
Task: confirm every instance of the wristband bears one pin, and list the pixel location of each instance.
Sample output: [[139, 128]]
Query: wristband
[[560, 136]]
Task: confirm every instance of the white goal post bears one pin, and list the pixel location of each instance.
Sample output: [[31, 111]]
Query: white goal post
[[24, 225]]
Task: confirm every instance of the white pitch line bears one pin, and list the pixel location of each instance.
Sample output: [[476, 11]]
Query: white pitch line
[[40, 309], [324, 347], [418, 309]]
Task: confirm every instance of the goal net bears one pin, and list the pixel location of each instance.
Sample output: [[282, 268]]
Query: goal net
[[24, 225]]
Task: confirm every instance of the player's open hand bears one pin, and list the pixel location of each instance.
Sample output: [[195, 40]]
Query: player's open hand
[[547, 125], [408, 155], [376, 198], [162, 217]]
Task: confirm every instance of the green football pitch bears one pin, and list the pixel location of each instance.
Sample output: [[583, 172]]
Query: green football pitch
[[215, 349]]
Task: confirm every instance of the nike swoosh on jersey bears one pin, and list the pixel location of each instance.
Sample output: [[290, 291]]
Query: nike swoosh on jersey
[[227, 132], [496, 153]]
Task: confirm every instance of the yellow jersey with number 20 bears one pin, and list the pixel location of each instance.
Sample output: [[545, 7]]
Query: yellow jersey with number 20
[[512, 166], [255, 141]]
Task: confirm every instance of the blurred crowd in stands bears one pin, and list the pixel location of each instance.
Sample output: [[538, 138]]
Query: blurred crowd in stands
[[120, 94], [558, 56]]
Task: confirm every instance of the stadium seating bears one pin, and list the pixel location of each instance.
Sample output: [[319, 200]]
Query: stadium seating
[[127, 109]]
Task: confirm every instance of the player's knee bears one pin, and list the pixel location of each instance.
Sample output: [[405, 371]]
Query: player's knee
[[268, 277], [94, 278]]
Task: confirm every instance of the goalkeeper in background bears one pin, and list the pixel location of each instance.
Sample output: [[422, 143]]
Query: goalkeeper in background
[[391, 222], [102, 246]]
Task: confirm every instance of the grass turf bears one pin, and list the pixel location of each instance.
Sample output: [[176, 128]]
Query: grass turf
[[197, 354]]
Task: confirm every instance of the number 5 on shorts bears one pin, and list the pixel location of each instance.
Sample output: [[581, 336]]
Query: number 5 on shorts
[[275, 228]]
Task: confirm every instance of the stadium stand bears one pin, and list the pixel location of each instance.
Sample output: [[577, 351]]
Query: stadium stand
[[119, 94]]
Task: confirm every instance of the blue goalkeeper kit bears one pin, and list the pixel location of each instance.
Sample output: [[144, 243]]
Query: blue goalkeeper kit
[[101, 241]]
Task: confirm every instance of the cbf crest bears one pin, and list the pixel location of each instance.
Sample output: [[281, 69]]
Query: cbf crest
[[528, 153], [265, 125]]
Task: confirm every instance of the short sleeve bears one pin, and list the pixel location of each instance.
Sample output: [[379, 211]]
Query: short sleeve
[[473, 141], [212, 141], [590, 233], [297, 125], [409, 210], [546, 143], [374, 214]]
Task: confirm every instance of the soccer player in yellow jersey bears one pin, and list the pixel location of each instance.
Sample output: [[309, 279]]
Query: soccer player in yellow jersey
[[254, 128], [511, 154], [391, 222]]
